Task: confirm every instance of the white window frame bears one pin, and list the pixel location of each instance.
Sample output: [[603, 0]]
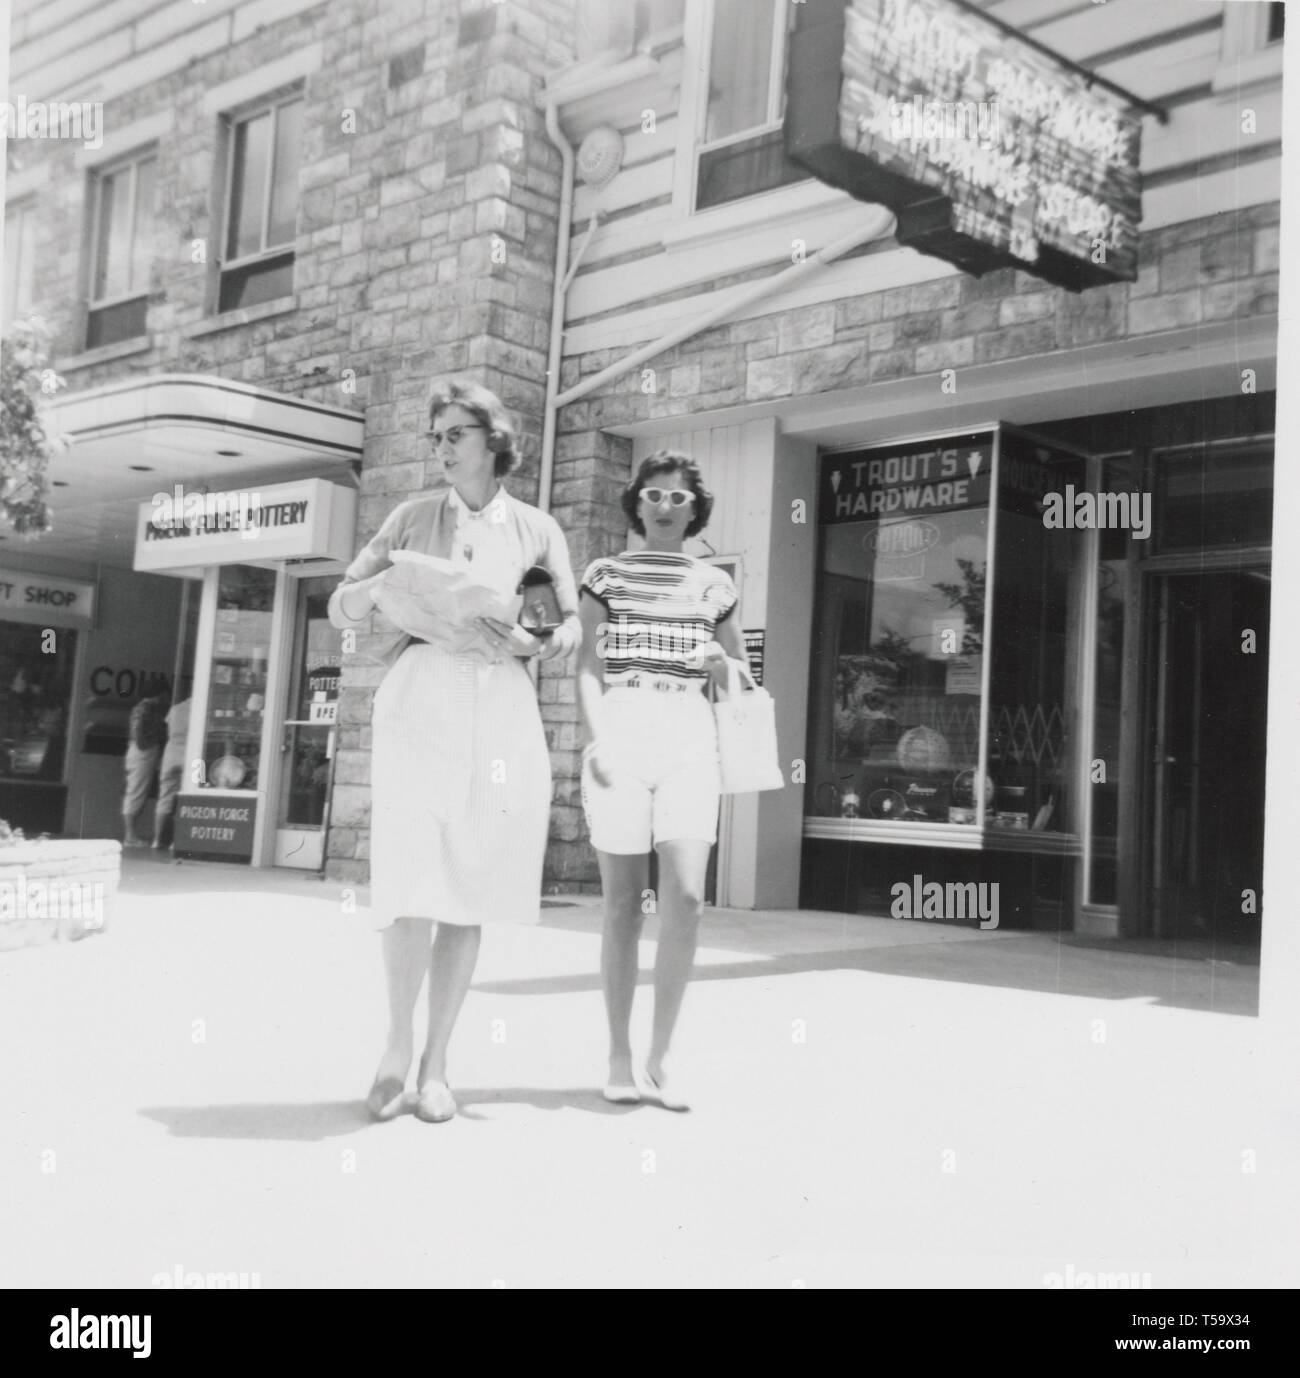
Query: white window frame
[[21, 272], [112, 169], [1246, 57], [271, 105], [699, 28]]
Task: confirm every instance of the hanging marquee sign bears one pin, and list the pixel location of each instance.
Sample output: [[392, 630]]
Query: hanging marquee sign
[[992, 152]]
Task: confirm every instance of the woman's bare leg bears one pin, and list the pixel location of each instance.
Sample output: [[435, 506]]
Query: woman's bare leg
[[406, 957], [451, 968], [623, 878], [683, 864]]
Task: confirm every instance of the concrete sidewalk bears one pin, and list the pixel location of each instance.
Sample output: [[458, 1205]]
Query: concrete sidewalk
[[1191, 974], [877, 1102]]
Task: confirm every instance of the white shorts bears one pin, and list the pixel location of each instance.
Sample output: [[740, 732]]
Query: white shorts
[[662, 752]]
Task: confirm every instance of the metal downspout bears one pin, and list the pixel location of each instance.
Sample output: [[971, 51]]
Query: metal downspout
[[546, 472], [618, 75]]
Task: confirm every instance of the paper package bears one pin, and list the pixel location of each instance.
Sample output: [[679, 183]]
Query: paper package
[[427, 596]]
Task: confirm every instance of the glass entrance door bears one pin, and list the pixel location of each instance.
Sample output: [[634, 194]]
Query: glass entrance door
[[309, 734], [1208, 693]]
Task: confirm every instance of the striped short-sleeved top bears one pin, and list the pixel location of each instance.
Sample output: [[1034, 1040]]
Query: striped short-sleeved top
[[661, 607]]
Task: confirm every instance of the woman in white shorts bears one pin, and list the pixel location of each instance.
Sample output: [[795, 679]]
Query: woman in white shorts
[[657, 626]]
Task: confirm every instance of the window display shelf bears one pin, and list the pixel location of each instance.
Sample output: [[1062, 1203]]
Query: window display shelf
[[949, 835]]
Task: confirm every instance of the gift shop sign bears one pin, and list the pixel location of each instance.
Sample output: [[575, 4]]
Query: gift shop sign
[[310, 519], [899, 481], [992, 151], [46, 602]]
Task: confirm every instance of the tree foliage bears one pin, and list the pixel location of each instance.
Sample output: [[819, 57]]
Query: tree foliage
[[27, 442]]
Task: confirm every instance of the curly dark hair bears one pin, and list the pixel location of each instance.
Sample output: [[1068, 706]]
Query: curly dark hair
[[669, 462], [488, 410]]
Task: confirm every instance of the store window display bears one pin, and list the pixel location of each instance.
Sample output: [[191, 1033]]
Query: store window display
[[908, 724], [36, 665], [232, 745]]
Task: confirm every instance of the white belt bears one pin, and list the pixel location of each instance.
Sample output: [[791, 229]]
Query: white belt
[[663, 686]]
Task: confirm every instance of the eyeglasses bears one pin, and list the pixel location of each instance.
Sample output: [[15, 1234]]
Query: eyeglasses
[[678, 497], [452, 434]]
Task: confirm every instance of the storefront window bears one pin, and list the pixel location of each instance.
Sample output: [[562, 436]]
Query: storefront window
[[36, 666], [895, 713], [232, 744], [897, 707], [1209, 497], [1033, 627]]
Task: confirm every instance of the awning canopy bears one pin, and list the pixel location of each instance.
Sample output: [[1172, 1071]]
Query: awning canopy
[[134, 438]]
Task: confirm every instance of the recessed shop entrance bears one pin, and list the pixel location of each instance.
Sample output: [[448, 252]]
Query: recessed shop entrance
[[1206, 695]]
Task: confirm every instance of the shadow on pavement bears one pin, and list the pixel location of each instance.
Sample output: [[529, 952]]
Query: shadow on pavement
[[1034, 962], [314, 1121], [586, 1098], [302, 1121]]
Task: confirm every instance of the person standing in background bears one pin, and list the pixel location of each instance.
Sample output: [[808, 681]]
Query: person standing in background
[[172, 768], [147, 732]]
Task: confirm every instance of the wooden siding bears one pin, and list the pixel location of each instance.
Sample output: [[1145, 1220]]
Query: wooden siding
[[75, 49], [628, 267], [741, 519]]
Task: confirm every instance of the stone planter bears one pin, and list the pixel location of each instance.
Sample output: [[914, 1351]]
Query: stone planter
[[56, 890]]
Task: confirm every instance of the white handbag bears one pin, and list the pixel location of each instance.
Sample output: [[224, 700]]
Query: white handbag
[[746, 720]]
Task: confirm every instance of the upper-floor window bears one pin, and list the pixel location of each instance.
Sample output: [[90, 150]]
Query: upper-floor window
[[20, 245], [261, 204], [742, 150], [1251, 45], [121, 250]]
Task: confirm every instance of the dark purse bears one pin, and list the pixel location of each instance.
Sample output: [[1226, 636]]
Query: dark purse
[[540, 613]]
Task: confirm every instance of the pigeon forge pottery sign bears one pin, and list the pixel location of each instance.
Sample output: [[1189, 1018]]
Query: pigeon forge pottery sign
[[991, 151]]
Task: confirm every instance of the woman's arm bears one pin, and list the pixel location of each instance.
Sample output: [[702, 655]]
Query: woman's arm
[[593, 616], [728, 644], [555, 558], [351, 603], [729, 636]]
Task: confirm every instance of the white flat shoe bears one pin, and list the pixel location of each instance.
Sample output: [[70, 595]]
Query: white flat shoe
[[617, 1094], [658, 1092], [435, 1103]]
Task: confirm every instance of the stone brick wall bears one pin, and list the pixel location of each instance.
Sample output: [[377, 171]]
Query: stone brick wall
[[449, 211], [591, 471], [426, 246], [1224, 267], [270, 350], [1221, 268]]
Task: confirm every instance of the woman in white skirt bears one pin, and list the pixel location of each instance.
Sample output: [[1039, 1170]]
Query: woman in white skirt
[[460, 773], [657, 624]]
